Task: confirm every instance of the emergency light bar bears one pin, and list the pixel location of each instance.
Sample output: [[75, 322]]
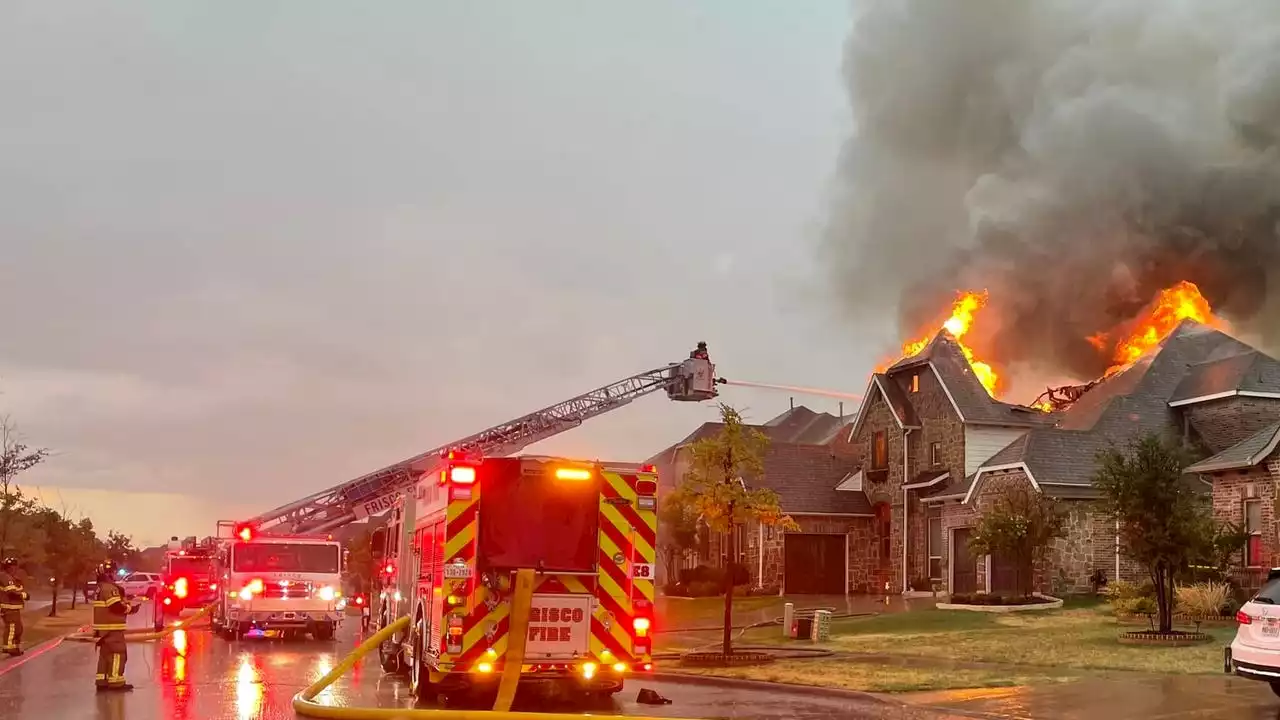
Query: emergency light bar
[[462, 475], [569, 473]]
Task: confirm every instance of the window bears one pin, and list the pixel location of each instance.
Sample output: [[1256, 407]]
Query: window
[[935, 548], [915, 383], [1253, 526], [935, 454], [286, 557], [880, 451]]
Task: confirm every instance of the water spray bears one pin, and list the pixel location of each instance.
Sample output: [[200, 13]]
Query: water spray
[[791, 388]]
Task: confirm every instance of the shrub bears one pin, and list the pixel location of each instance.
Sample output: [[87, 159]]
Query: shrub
[[1126, 590], [1203, 599], [1135, 606], [764, 590], [704, 588], [993, 600]]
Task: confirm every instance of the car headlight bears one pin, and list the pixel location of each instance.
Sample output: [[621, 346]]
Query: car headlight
[[326, 594]]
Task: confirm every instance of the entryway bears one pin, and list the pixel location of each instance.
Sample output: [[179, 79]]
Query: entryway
[[814, 563], [964, 564]]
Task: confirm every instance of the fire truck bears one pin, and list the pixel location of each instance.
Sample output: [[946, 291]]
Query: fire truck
[[286, 584], [588, 529], [188, 575]]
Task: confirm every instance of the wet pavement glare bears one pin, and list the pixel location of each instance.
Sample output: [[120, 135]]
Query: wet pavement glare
[[193, 675]]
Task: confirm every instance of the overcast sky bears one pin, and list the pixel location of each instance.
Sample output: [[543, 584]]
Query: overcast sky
[[254, 249]]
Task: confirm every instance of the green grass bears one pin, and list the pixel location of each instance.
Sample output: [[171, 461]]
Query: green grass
[[1084, 638], [37, 626], [870, 677], [706, 612]]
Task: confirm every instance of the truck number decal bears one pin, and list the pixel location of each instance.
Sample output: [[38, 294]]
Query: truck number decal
[[642, 571]]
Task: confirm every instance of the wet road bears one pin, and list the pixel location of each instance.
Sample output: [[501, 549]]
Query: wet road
[[194, 675]]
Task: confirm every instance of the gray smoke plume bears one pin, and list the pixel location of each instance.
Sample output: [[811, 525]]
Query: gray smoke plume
[[1073, 157]]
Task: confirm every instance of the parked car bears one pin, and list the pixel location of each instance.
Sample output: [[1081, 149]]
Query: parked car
[[1255, 651], [142, 584]]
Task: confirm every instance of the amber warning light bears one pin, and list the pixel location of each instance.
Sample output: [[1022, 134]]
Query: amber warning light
[[567, 473]]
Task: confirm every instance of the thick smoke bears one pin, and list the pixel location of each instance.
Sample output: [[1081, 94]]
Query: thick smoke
[[1071, 156]]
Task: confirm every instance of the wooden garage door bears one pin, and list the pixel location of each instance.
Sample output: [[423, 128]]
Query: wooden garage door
[[964, 565], [813, 564]]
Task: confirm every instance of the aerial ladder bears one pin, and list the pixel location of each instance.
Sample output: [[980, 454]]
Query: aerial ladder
[[691, 380]]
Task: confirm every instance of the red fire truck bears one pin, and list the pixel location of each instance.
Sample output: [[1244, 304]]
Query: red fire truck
[[188, 574], [450, 556]]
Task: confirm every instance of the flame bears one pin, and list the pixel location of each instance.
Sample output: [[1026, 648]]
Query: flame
[[967, 304], [1169, 307]]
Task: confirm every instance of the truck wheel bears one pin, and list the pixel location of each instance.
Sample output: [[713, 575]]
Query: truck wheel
[[420, 673], [390, 657], [323, 631]]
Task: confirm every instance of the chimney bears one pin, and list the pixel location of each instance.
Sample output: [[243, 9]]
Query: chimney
[[793, 402], [842, 410]]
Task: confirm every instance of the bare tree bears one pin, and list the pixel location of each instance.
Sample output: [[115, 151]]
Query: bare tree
[[15, 458]]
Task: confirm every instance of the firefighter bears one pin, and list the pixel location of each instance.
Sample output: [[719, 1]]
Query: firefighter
[[110, 610], [12, 599]]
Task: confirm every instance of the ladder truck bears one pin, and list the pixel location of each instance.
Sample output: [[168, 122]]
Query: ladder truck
[[691, 380]]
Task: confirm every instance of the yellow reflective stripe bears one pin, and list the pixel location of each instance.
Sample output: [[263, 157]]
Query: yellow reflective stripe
[[113, 601], [99, 603], [10, 588], [103, 626], [5, 606]]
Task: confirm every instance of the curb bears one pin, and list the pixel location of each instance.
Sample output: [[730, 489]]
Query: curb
[[31, 654], [761, 685]]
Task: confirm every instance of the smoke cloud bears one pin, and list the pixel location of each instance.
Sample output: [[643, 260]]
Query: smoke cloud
[[1073, 157]]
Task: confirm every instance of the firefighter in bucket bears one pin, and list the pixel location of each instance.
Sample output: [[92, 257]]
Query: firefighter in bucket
[[110, 618]]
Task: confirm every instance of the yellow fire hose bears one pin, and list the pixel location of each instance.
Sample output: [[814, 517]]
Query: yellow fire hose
[[142, 635], [521, 601]]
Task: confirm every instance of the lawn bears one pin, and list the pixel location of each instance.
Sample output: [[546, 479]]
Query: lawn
[[38, 626], [1077, 638], [707, 613], [876, 677]]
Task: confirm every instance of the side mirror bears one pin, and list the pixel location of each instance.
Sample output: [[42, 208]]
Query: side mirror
[[378, 543]]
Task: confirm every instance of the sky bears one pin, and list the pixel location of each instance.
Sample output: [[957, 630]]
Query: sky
[[255, 249]]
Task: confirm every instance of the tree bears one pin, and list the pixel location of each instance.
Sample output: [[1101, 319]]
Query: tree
[[85, 554], [1164, 523], [59, 549], [120, 548], [16, 510], [679, 525], [715, 489], [1019, 527]]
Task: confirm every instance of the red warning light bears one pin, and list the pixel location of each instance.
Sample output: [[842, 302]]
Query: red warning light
[[245, 533]]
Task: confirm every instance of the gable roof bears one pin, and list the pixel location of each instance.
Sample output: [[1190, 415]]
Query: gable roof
[[1250, 373], [904, 414], [1133, 402], [1245, 454], [805, 478], [798, 425]]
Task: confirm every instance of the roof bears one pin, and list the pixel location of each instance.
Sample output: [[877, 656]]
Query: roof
[[1126, 405], [805, 478], [1244, 454], [797, 425], [1247, 373]]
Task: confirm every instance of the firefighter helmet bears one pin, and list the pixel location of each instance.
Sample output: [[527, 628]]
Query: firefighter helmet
[[9, 562]]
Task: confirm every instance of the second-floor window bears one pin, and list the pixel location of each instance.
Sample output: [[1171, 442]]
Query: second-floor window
[[880, 450], [935, 454]]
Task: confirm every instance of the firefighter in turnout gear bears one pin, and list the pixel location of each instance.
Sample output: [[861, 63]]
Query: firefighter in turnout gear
[[110, 611], [12, 599]]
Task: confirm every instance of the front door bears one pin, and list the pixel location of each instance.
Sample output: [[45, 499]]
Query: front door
[[964, 565]]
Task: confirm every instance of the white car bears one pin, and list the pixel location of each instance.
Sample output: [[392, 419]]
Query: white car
[[142, 584], [1255, 651]]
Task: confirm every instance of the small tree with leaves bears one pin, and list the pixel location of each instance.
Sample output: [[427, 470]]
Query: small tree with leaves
[[1020, 526], [120, 548], [716, 491], [1163, 520]]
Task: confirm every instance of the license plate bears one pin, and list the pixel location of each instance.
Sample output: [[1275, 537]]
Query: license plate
[[1271, 628]]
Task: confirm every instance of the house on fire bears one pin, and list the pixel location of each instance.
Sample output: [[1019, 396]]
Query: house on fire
[[889, 501]]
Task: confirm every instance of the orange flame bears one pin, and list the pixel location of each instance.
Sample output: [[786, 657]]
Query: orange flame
[[1169, 307], [967, 304]]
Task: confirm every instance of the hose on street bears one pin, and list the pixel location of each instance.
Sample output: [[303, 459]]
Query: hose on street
[[145, 635], [304, 703]]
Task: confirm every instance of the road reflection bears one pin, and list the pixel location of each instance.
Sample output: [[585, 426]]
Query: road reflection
[[249, 688]]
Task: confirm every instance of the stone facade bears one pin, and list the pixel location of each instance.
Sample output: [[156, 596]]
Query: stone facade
[[1225, 422]]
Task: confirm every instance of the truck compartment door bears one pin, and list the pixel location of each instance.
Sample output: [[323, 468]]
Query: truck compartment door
[[559, 627]]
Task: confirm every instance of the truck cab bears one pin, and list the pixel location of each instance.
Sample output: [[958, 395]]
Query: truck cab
[[290, 585]]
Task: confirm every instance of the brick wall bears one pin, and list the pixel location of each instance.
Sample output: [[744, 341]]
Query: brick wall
[[1225, 422], [1232, 488]]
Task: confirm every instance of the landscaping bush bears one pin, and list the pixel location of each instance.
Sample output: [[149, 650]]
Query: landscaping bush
[[704, 589], [1203, 599], [764, 590], [994, 600]]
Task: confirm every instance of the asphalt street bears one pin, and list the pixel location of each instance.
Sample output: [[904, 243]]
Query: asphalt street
[[194, 675]]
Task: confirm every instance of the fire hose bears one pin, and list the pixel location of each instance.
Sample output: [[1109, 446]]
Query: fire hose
[[521, 601], [144, 635]]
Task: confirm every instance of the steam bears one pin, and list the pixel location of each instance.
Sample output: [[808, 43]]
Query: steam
[[1071, 156]]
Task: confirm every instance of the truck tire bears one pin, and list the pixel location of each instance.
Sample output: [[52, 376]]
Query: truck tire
[[323, 631], [390, 657], [419, 673]]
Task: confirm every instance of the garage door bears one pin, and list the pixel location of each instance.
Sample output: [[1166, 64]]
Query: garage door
[[813, 564]]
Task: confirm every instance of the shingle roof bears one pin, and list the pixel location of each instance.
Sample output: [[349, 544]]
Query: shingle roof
[[1129, 404], [974, 403], [1246, 372], [1244, 454], [805, 478], [797, 425]]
